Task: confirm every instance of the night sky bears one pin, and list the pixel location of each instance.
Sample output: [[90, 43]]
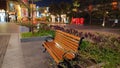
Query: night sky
[[48, 2]]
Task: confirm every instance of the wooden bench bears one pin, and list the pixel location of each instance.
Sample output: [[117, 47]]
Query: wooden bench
[[64, 46]]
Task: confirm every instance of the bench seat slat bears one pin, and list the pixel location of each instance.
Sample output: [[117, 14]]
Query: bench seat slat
[[56, 52], [51, 53]]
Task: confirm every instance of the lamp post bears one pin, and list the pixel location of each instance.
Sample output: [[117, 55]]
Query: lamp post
[[104, 19], [90, 8]]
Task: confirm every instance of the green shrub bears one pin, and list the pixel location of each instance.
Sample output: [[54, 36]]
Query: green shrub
[[84, 45]]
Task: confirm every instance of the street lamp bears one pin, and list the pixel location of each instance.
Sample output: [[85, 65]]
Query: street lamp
[[90, 8], [105, 14]]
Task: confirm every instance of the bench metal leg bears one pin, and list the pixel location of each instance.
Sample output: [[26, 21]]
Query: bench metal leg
[[61, 65], [65, 64], [44, 50]]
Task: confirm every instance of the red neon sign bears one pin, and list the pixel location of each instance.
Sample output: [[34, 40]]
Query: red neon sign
[[78, 21]]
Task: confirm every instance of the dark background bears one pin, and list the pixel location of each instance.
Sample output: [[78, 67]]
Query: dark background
[[3, 4]]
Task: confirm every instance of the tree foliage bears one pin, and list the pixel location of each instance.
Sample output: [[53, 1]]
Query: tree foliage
[[61, 8]]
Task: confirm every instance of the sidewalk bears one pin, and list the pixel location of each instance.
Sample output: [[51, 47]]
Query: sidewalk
[[34, 56], [24, 54], [4, 41], [14, 56], [27, 53]]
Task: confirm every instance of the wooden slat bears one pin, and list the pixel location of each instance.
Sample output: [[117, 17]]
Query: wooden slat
[[74, 41], [75, 37], [61, 39], [51, 53], [68, 38], [56, 51]]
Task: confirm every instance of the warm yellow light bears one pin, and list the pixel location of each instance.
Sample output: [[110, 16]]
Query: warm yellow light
[[45, 11], [107, 12], [114, 3]]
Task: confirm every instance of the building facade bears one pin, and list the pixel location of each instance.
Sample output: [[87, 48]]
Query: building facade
[[17, 9], [3, 8], [14, 10]]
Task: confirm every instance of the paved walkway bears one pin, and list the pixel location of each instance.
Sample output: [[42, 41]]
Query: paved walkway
[[14, 55], [25, 54], [34, 56], [9, 28], [4, 40]]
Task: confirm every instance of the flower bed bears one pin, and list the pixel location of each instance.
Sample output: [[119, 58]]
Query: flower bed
[[97, 48]]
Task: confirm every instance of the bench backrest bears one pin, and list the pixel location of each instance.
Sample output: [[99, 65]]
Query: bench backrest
[[66, 41]]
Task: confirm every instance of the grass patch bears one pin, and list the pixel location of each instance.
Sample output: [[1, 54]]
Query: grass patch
[[38, 34]]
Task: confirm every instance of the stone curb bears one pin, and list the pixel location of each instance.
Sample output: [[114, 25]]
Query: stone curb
[[33, 39]]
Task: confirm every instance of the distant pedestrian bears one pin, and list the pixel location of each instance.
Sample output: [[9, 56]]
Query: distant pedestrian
[[115, 22]]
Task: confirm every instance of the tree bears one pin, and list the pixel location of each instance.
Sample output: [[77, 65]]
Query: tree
[[66, 7], [41, 9], [30, 10], [59, 9], [54, 9]]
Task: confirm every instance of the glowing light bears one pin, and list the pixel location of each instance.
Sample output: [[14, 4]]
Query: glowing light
[[78, 20]]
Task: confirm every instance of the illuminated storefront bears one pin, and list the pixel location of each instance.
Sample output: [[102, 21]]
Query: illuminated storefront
[[2, 15], [24, 10], [12, 11], [17, 10], [37, 12]]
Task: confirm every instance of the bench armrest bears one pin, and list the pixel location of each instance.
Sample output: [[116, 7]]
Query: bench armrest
[[68, 52], [49, 38]]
